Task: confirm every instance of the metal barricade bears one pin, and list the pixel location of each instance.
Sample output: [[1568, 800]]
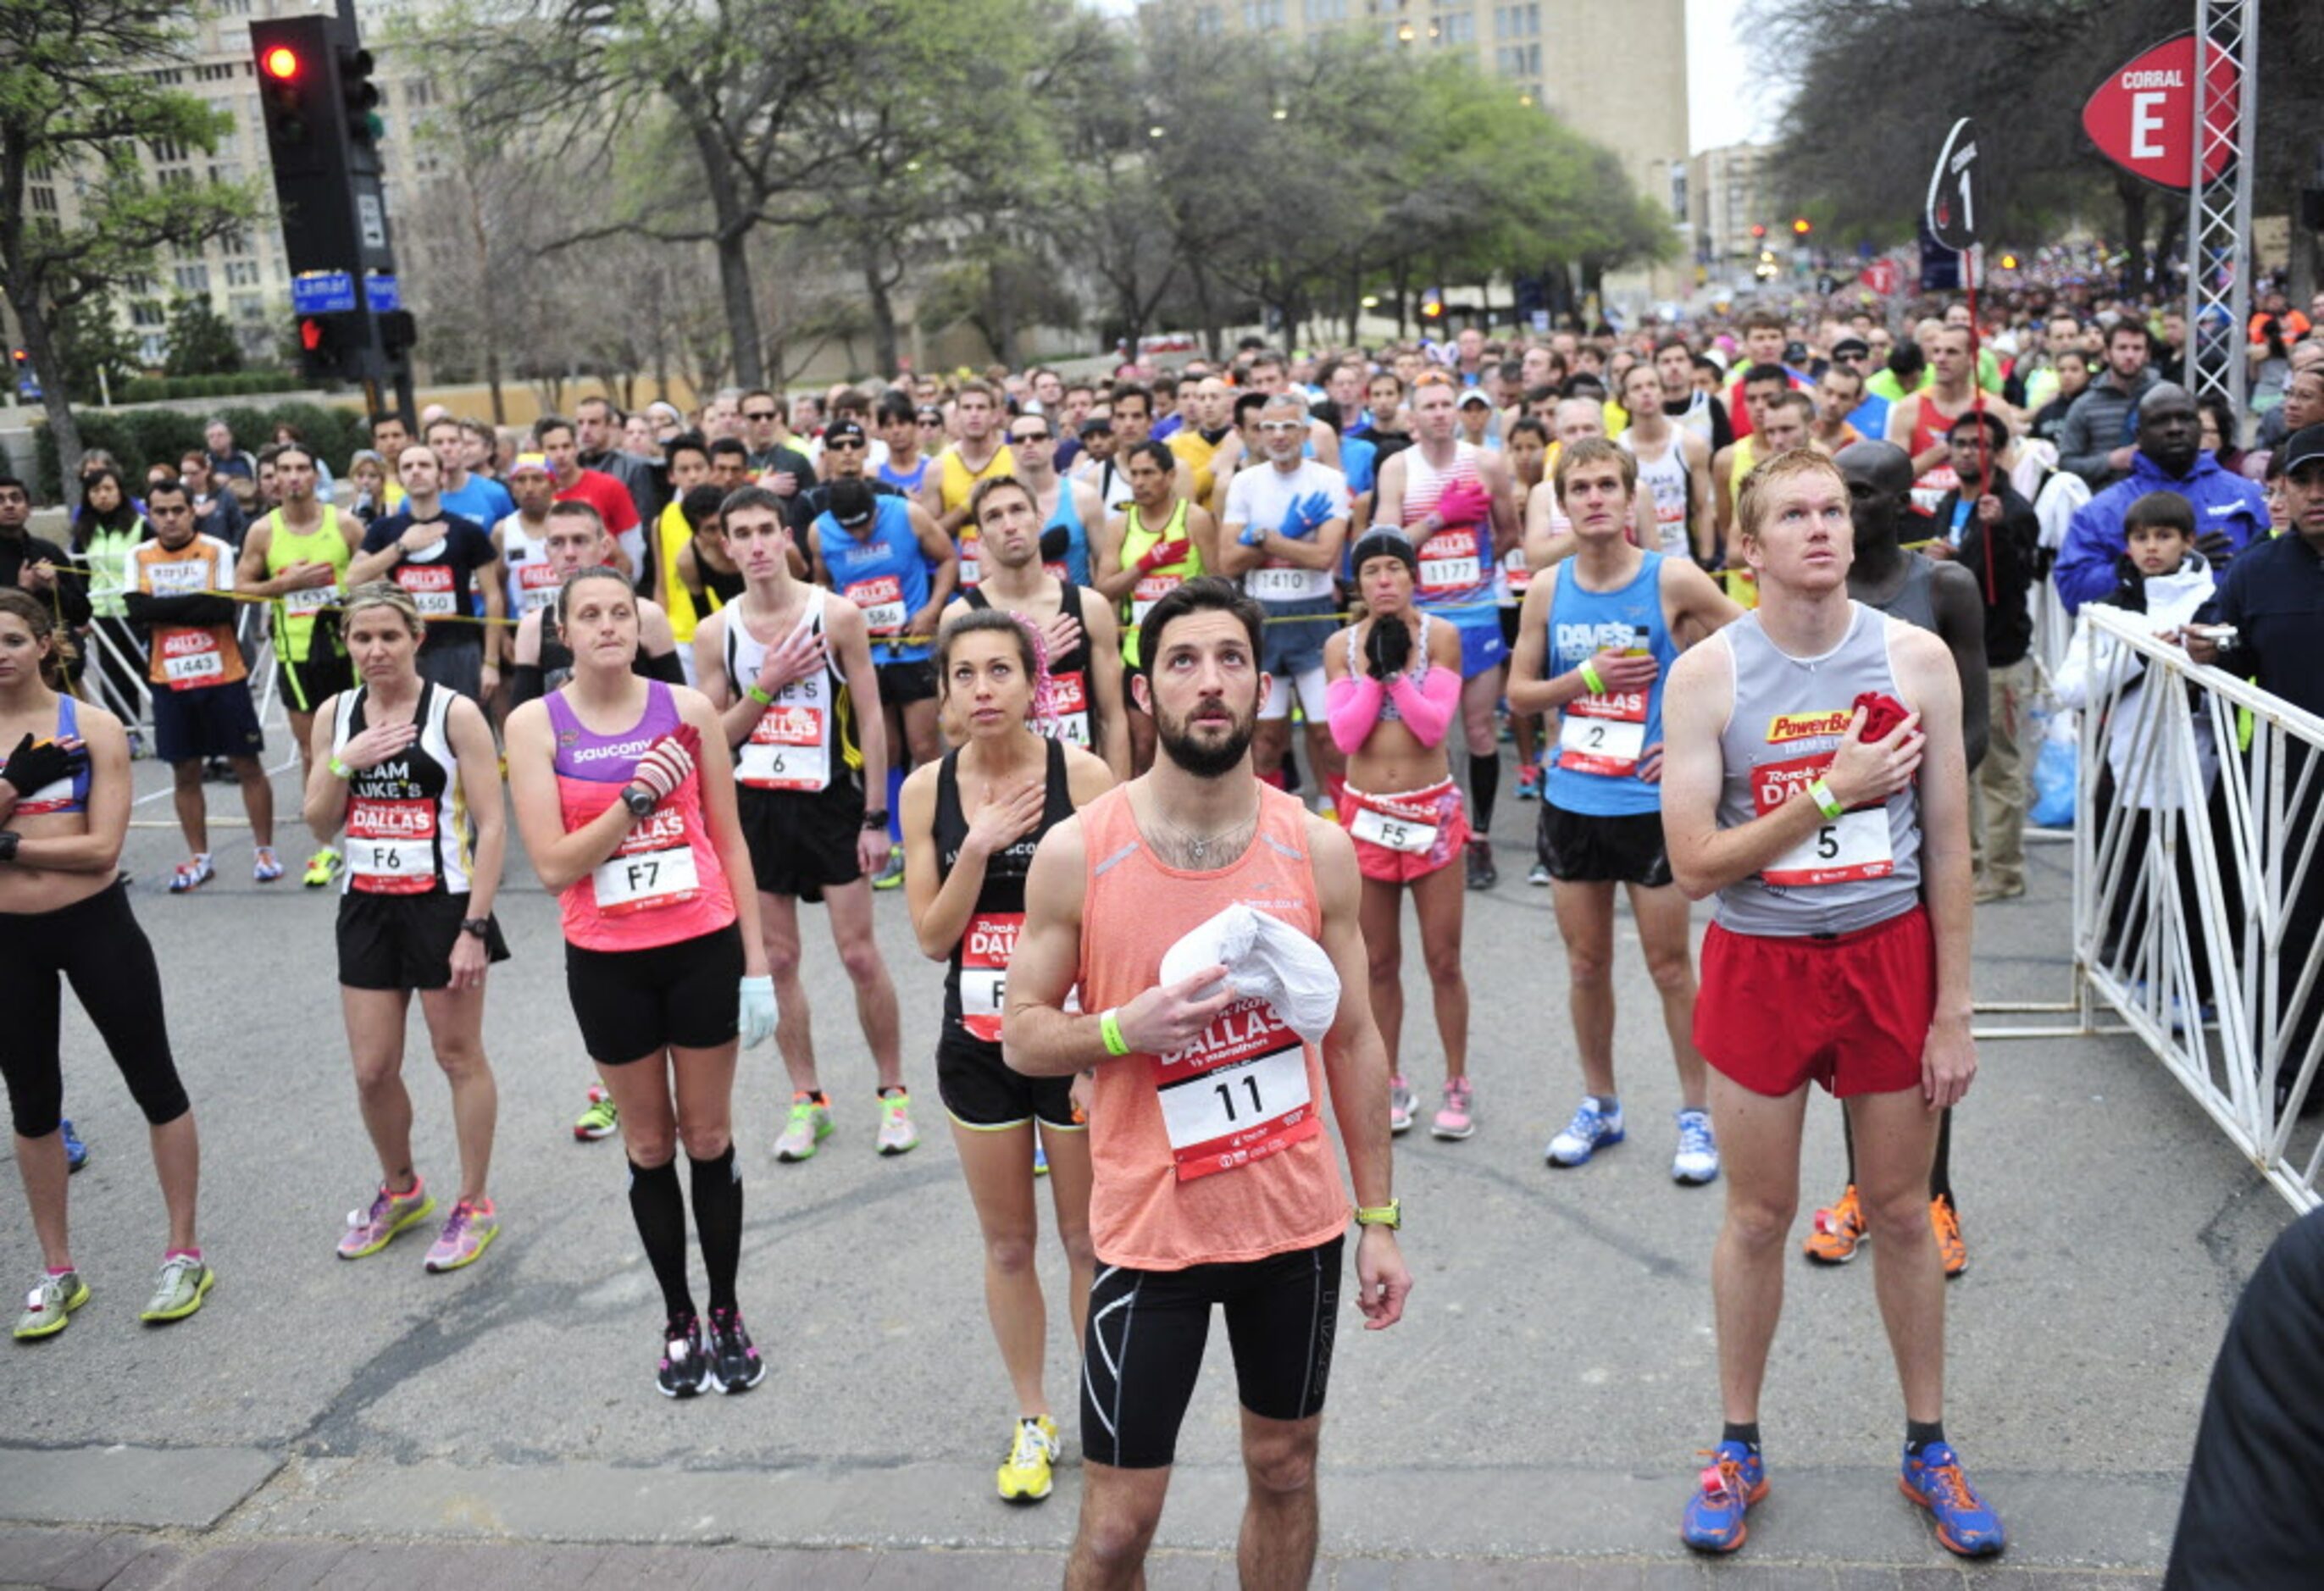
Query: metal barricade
[[109, 664], [2201, 810]]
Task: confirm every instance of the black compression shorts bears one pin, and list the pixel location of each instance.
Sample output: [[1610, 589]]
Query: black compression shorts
[[632, 1004]]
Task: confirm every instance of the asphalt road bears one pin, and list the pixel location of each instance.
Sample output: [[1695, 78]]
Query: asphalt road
[[1544, 1399]]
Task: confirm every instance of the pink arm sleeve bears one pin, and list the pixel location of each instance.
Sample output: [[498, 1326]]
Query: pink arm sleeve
[[1353, 705], [1427, 707]]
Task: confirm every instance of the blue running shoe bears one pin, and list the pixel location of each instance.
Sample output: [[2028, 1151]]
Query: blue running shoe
[[1736, 1478], [1964, 1523], [76, 1152], [1590, 1131]]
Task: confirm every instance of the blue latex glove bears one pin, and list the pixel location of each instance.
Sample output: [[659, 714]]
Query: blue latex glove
[[1253, 535], [1306, 516], [757, 1011]]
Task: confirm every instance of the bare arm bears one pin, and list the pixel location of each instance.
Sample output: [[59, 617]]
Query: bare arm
[[1545, 547], [1508, 530], [1961, 619], [560, 858], [480, 787], [325, 806], [1387, 494], [1933, 689], [1529, 688], [1702, 511], [714, 771], [1102, 633], [944, 570], [1111, 580]]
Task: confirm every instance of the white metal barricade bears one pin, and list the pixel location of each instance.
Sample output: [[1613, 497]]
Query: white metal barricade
[[2196, 841]]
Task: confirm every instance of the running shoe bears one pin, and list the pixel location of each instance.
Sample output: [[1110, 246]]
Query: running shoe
[[1455, 1120], [1951, 1247], [1529, 782], [76, 1152], [685, 1368], [734, 1363], [191, 875], [1040, 1158], [265, 866], [1539, 876], [1964, 1523], [50, 1305], [370, 1230], [1835, 1234], [467, 1232], [1402, 1102], [600, 1120], [1736, 1479], [178, 1291], [1025, 1473], [892, 874], [897, 1136], [321, 868], [809, 1123], [1697, 1161], [136, 744], [1482, 874], [1590, 1131]]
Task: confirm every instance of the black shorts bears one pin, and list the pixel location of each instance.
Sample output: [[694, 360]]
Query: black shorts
[[1144, 1347], [457, 666], [979, 1091], [632, 1004], [306, 686], [802, 844], [905, 682], [209, 720], [1581, 849], [397, 941], [1509, 626]]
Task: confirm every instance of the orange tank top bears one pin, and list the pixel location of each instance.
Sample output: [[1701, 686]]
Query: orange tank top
[[1216, 1153]]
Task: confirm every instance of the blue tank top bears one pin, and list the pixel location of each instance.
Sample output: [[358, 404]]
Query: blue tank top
[[886, 575], [1593, 766], [904, 481], [1074, 565], [69, 794]]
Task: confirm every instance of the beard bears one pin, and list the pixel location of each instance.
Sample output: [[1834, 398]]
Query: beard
[[1206, 759]]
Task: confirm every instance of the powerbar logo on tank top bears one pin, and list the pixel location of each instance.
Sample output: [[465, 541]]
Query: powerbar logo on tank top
[[1820, 725]]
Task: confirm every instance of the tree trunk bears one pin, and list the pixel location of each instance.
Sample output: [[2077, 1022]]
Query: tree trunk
[[734, 223], [883, 311], [493, 379], [32, 323]]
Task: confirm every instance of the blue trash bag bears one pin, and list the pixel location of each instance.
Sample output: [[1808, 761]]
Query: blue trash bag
[[2055, 769]]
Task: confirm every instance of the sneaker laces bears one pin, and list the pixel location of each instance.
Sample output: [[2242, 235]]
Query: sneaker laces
[[1947, 1477], [1029, 1435], [1694, 1134], [456, 1225], [1724, 1479], [1584, 1124]]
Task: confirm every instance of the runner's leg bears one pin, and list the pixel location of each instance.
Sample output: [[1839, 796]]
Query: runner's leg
[[1896, 1135], [375, 1022], [1381, 914], [705, 1081], [997, 1163], [850, 908], [456, 1031], [1119, 1509], [1478, 698], [1070, 1179], [193, 806], [257, 798], [1585, 921], [794, 1024], [1438, 901], [1759, 1142], [1665, 931], [1276, 1548], [641, 1096]]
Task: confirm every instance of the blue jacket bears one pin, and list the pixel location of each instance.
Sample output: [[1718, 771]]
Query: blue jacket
[[2095, 543]]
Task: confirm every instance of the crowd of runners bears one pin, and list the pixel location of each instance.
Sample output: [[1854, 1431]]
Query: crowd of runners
[[1144, 691]]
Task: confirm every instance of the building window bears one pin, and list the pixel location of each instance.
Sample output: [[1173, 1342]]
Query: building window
[[1459, 27], [1321, 13], [1518, 60], [241, 273], [44, 199], [1208, 21], [1262, 16], [144, 312], [247, 307], [166, 150], [420, 91], [1517, 22], [192, 279]]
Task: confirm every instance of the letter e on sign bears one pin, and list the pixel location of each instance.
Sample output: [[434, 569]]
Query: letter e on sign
[[2143, 116]]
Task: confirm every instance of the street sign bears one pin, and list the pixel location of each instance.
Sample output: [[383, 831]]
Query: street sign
[[381, 293], [2143, 117], [1880, 276], [1952, 190], [322, 292]]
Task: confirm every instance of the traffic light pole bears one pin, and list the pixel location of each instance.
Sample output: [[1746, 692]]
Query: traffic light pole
[[2218, 214]]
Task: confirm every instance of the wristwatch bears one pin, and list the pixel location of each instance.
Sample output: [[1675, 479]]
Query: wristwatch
[[476, 927], [9, 839], [1389, 1215], [639, 800], [874, 819]]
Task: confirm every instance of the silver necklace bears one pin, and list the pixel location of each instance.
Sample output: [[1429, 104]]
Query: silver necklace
[[1197, 847]]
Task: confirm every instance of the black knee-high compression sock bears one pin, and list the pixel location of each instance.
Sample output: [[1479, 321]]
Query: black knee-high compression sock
[[661, 1211], [1847, 1136], [718, 1222], [1941, 1170], [1484, 787]]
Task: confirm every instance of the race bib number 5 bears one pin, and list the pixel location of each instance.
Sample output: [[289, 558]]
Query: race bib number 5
[[1851, 847], [1236, 1095]]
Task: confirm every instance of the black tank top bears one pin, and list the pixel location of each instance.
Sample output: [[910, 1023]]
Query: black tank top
[[725, 587], [1069, 674], [978, 976]]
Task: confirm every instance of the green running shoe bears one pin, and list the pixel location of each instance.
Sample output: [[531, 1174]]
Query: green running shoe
[[183, 1283], [50, 1305], [809, 1123], [600, 1120]]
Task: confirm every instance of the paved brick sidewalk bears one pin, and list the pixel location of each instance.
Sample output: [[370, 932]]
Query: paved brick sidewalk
[[137, 1561]]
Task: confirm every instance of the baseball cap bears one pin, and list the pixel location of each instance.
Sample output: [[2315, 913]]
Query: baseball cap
[[1475, 395], [536, 461], [845, 430], [849, 502], [2303, 448], [1795, 352], [1856, 346]]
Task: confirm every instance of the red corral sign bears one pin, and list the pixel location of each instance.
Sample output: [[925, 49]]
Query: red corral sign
[[1881, 276], [2142, 116]]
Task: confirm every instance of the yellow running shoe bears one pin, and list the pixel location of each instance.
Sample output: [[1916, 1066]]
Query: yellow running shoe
[[1025, 1473]]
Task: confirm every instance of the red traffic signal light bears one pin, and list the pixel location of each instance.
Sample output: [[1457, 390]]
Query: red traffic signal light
[[281, 63], [310, 333], [1758, 230], [1801, 226]]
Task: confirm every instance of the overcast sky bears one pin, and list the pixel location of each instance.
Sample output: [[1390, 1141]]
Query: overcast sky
[[1719, 109]]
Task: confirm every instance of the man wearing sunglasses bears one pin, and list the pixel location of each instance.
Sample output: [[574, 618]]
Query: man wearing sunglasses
[[773, 455], [1067, 508]]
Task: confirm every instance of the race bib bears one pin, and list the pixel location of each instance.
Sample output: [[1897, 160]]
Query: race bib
[[1283, 583], [1151, 589], [1515, 572], [653, 868], [1237, 1094], [1929, 491], [535, 586], [970, 543], [881, 598], [179, 577], [1843, 850], [984, 952], [391, 846], [1603, 734], [192, 659], [1449, 564], [430, 586], [1392, 833], [309, 601], [1069, 695], [786, 752]]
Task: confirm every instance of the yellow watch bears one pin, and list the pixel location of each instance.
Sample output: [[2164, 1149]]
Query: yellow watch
[[1389, 1215]]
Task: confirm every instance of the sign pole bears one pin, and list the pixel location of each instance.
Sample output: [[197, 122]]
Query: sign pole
[[2218, 196], [1952, 219]]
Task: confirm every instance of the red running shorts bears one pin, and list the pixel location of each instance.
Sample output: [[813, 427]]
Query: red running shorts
[[1851, 1012]]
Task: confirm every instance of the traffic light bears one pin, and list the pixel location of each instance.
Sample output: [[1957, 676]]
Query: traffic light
[[1801, 227], [1758, 230], [332, 347], [1432, 303], [360, 96]]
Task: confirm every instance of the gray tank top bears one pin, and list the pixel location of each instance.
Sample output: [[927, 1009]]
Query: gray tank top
[[1915, 602], [1789, 716]]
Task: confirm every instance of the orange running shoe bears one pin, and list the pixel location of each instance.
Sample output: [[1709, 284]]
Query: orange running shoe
[[1950, 1248], [1837, 1232]]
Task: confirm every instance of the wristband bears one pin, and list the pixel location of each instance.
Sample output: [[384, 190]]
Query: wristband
[[1109, 1028], [874, 821], [10, 840], [1589, 672], [1820, 794], [1389, 1215], [757, 694], [340, 770]]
